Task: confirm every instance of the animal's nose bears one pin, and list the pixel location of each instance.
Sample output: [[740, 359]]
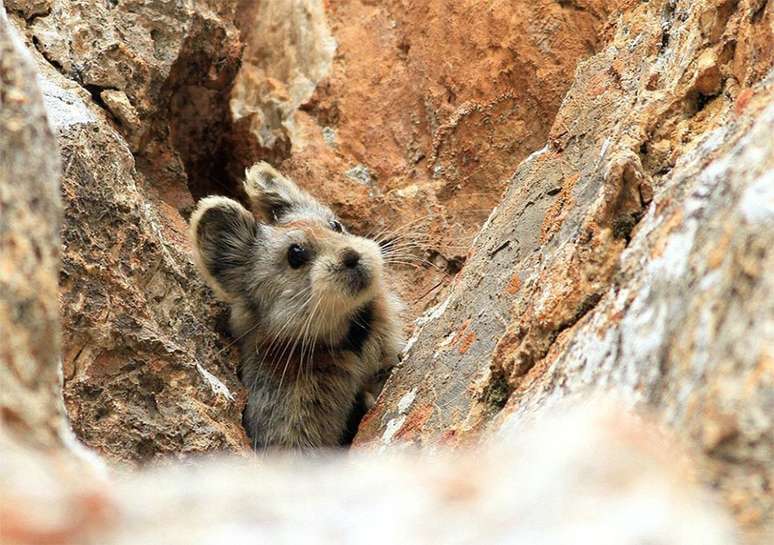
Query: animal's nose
[[350, 258]]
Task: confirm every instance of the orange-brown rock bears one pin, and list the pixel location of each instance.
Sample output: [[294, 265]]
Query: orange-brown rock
[[156, 105], [630, 254], [421, 116], [640, 236]]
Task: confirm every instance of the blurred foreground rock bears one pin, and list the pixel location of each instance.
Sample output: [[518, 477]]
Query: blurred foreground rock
[[631, 254], [30, 216], [586, 476]]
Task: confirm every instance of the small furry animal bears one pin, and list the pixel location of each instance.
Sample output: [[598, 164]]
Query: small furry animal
[[317, 324]]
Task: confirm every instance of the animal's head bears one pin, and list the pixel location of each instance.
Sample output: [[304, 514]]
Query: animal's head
[[297, 270]]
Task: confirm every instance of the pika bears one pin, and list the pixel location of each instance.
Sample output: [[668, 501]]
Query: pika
[[316, 323]]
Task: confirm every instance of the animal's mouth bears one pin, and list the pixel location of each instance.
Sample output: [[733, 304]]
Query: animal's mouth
[[355, 279]]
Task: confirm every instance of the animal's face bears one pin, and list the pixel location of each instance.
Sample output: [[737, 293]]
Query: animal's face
[[299, 271], [307, 271]]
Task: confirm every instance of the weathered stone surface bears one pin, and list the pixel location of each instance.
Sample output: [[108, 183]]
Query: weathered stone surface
[[153, 111], [147, 369], [30, 215], [28, 8], [162, 69], [631, 254], [147, 366], [419, 118]]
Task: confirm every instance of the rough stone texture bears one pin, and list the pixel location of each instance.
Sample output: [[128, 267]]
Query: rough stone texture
[[49, 496], [161, 69], [30, 215], [156, 104], [148, 368], [420, 118], [632, 254]]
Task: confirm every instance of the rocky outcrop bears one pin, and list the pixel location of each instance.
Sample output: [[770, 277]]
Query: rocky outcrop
[[30, 216], [147, 367], [426, 110], [630, 255], [156, 105], [51, 496]]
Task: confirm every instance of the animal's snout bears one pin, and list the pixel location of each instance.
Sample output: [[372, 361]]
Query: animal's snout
[[350, 258]]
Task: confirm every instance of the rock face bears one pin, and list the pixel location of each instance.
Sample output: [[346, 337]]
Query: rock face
[[147, 368], [396, 141], [158, 104], [30, 215], [631, 254]]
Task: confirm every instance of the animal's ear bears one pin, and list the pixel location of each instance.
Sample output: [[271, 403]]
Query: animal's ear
[[224, 236], [276, 196]]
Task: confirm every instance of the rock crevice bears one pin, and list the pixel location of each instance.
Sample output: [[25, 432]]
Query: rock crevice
[[580, 192]]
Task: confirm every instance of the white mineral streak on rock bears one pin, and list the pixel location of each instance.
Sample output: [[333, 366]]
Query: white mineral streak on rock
[[392, 427], [64, 108], [214, 383], [757, 203]]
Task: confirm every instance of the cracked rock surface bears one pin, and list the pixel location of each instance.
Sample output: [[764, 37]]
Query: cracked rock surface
[[583, 195], [631, 255], [148, 369], [156, 104]]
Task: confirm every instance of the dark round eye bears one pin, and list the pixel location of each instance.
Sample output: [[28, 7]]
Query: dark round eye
[[336, 226], [297, 256]]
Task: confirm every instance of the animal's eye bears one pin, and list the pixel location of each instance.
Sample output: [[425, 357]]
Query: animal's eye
[[336, 226], [297, 256]]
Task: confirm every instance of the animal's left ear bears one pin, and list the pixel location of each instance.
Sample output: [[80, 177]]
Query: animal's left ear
[[276, 196], [225, 237]]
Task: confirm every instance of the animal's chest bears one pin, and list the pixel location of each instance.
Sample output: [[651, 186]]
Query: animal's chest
[[306, 368]]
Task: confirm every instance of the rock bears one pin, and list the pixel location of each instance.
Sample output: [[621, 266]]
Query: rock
[[148, 368], [118, 104], [585, 475], [30, 217], [629, 256], [289, 50], [157, 105], [29, 8], [432, 106], [169, 64]]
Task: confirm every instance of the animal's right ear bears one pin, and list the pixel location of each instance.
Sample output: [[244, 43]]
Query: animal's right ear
[[275, 195], [224, 234]]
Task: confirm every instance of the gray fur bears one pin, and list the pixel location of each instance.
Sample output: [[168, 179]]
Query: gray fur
[[311, 338]]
